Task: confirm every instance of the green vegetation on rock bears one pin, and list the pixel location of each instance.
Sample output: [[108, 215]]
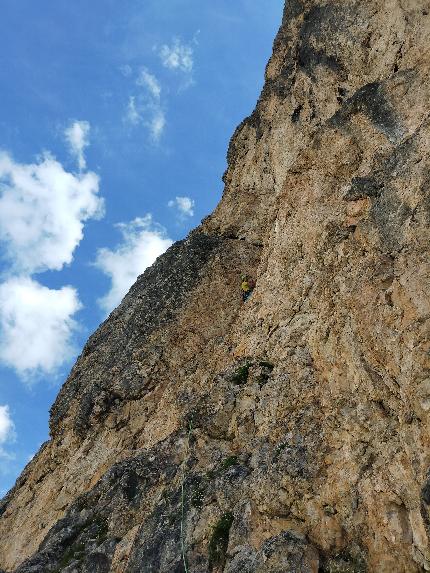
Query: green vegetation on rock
[[219, 541]]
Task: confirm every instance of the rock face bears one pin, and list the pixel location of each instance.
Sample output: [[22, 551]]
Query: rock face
[[290, 433]]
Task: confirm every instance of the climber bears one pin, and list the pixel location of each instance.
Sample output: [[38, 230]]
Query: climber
[[247, 287]]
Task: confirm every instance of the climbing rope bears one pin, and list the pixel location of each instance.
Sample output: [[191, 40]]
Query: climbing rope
[[183, 548]]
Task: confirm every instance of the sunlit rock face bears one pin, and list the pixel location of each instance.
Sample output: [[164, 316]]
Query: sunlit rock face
[[290, 433]]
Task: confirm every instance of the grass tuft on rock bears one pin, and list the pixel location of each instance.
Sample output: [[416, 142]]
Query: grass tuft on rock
[[240, 377], [74, 553], [228, 462], [219, 541], [265, 364]]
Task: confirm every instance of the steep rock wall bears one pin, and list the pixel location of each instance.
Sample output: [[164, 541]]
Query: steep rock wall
[[290, 433]]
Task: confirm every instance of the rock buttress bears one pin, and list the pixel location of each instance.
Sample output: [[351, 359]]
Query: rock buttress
[[290, 433]]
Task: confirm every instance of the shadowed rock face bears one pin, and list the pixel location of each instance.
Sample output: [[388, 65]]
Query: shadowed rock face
[[153, 302], [290, 433]]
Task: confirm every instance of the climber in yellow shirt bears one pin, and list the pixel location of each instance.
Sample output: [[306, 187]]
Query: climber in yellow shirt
[[247, 286]]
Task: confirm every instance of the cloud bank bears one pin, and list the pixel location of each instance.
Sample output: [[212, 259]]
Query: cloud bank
[[36, 325], [43, 209], [42, 212], [143, 241]]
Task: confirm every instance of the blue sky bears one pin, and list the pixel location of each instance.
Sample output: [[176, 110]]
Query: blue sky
[[115, 119]]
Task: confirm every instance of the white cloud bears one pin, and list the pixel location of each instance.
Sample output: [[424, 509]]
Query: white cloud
[[126, 70], [177, 56], [6, 426], [146, 107], [185, 206], [133, 116], [42, 211], [7, 437], [143, 241], [157, 124], [36, 325], [150, 82], [147, 113], [77, 138]]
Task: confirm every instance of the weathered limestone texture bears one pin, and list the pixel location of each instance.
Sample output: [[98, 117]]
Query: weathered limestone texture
[[290, 433]]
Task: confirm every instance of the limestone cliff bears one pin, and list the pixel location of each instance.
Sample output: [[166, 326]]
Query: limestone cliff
[[290, 433]]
